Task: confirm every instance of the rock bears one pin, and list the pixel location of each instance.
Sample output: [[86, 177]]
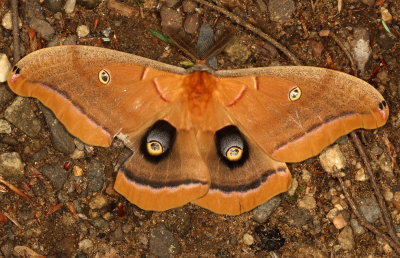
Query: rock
[[396, 200], [192, 22], [77, 171], [11, 166], [6, 21], [171, 20], [300, 217], [293, 187], [69, 6], [99, 201], [305, 175], [89, 4], [262, 7], [237, 52], [5, 126], [262, 212], [5, 97], [189, 6], [5, 67], [311, 251], [53, 5], [357, 228], [95, 173], [42, 27], [346, 239], [307, 202], [369, 208], [7, 248], [386, 15], [368, 2], [162, 242], [171, 3], [82, 31], [360, 46], [61, 139], [316, 48], [281, 10], [331, 158], [339, 221], [20, 114], [85, 245], [56, 175], [77, 154], [360, 175], [248, 239]]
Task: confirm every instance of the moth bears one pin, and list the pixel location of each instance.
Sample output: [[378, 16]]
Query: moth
[[219, 139]]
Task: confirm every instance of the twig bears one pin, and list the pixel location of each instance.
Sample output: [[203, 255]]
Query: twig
[[379, 197], [15, 189], [15, 31], [253, 29], [12, 219], [364, 222]]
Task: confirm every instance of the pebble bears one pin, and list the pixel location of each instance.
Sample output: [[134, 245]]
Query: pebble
[[53, 5], [307, 202], [346, 238], [60, 138], [339, 221], [305, 175], [5, 126], [6, 21], [42, 27], [56, 175], [171, 3], [281, 10], [77, 154], [91, 4], [311, 251], [248, 239], [20, 114], [95, 174], [171, 20], [189, 6], [386, 15], [360, 175], [331, 158], [77, 171], [300, 217], [5, 97], [293, 187], [388, 195], [192, 22], [360, 46], [85, 245], [369, 208], [396, 200], [262, 212], [5, 67], [69, 6], [7, 248], [99, 201], [368, 2], [237, 52], [357, 228], [82, 31], [11, 166], [162, 242]]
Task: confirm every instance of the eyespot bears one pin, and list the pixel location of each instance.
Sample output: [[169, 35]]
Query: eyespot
[[16, 70], [231, 146], [104, 77], [158, 141], [295, 93], [154, 148], [382, 105]]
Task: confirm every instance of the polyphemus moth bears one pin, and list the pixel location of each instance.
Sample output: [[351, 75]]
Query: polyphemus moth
[[218, 139]]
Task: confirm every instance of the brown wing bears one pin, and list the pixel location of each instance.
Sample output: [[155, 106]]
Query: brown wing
[[329, 104]]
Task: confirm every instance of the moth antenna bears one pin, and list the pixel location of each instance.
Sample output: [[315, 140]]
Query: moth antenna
[[226, 38]]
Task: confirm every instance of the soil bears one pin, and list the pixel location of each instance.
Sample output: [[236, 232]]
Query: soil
[[104, 224]]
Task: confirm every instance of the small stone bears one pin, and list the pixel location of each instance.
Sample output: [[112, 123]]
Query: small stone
[[332, 158], [307, 202], [7, 248], [85, 245], [82, 31], [95, 174], [99, 201], [262, 212], [332, 214], [368, 2], [360, 175], [237, 52], [189, 6], [69, 6], [171, 3], [396, 200], [281, 10], [386, 15], [77, 154], [162, 242], [293, 187], [388, 195], [360, 46], [91, 4], [56, 175], [20, 114], [369, 208], [192, 22], [53, 5], [42, 27], [5, 67], [346, 239], [77, 171], [171, 20], [357, 228], [6, 22], [305, 175], [316, 48], [5, 126], [11, 166], [248, 239], [339, 221]]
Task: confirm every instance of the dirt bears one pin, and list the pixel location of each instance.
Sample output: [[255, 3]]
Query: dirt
[[116, 228]]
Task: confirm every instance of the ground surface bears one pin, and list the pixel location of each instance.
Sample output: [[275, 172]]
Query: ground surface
[[301, 226]]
